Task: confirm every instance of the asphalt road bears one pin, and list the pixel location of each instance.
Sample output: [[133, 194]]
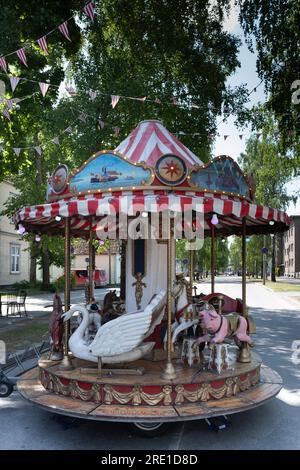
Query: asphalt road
[[275, 425]]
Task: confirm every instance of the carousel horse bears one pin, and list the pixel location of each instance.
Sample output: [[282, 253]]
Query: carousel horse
[[94, 322], [121, 339], [184, 315]]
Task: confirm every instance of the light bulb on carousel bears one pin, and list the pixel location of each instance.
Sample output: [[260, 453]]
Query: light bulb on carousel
[[21, 229], [214, 219], [37, 238], [272, 222], [58, 218]]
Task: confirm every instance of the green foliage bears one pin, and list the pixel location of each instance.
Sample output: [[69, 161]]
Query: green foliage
[[272, 29], [59, 283]]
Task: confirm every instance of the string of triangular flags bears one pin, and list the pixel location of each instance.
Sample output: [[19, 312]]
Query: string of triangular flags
[[89, 10], [10, 104], [114, 99], [82, 116]]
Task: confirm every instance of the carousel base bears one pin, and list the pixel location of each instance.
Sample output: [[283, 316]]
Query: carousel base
[[193, 394]]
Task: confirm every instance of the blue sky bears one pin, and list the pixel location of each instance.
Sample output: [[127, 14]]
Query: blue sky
[[246, 74]]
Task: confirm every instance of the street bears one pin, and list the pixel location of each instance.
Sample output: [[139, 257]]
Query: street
[[275, 425]]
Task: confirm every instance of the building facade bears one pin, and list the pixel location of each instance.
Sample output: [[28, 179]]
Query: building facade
[[14, 259], [292, 248]]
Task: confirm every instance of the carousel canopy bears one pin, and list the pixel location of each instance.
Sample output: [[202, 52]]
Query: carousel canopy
[[150, 171], [150, 140]]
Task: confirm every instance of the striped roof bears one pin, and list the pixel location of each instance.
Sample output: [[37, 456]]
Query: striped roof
[[150, 140]]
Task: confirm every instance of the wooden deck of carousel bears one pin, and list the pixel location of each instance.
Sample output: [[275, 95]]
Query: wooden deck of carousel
[[148, 397]]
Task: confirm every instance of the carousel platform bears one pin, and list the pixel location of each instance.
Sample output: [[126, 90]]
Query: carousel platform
[[139, 394]]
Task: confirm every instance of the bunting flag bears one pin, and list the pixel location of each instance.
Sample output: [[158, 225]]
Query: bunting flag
[[101, 124], [258, 135], [6, 114], [226, 136], [82, 117], [17, 151], [241, 136], [71, 91], [157, 101], [117, 131], [68, 130], [44, 88], [55, 140], [38, 150], [89, 10], [3, 64], [14, 82], [195, 106], [174, 102], [114, 100], [93, 95], [63, 28], [42, 42], [22, 56], [10, 103]]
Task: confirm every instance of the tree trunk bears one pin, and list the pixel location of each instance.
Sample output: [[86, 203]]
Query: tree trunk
[[32, 272], [46, 268], [273, 274]]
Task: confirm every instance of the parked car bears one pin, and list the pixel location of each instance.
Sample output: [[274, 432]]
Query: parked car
[[82, 276]]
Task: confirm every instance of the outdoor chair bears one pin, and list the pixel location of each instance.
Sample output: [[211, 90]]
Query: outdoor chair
[[16, 303]]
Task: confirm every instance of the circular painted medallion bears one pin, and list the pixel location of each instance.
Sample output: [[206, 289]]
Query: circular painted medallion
[[171, 169], [59, 178]]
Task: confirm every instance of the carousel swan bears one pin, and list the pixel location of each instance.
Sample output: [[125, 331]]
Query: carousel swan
[[119, 340]]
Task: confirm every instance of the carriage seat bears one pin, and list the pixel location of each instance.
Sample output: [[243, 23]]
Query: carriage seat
[[229, 305]]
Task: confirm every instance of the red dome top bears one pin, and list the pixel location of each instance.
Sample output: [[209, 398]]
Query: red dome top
[[150, 140]]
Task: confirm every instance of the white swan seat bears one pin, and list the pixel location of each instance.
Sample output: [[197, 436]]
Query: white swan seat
[[120, 340]]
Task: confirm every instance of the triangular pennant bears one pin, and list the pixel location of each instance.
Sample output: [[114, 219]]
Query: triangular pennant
[[93, 94], [55, 140], [10, 103], [22, 56], [63, 28], [226, 136], [117, 131], [89, 10], [13, 82], [82, 117], [101, 124], [17, 151], [6, 114], [157, 101], [69, 130], [3, 64], [42, 42], [241, 136], [174, 102], [44, 88], [258, 135], [114, 100], [195, 106], [38, 150], [71, 91]]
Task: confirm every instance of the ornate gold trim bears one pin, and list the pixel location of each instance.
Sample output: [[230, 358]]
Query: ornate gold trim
[[137, 396]]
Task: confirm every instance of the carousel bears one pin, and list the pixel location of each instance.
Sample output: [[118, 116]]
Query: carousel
[[159, 353]]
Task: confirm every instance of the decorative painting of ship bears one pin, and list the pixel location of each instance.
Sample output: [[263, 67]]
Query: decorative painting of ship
[[109, 171]]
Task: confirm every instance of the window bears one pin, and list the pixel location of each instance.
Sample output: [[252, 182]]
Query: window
[[15, 259]]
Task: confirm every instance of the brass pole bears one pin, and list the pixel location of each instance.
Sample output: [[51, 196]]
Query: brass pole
[[264, 261], [244, 353], [66, 362], [91, 267], [212, 259], [191, 266], [169, 372], [109, 265], [244, 267]]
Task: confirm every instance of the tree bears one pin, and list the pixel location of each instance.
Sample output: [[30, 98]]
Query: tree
[[268, 162], [272, 28]]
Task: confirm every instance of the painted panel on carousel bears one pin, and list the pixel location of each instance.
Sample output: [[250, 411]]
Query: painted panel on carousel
[[222, 174], [171, 170], [108, 170], [57, 182]]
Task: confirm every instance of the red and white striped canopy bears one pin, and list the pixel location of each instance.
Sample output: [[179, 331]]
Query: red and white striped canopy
[[150, 140], [230, 211]]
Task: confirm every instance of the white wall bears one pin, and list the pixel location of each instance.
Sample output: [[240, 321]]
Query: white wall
[[8, 236]]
